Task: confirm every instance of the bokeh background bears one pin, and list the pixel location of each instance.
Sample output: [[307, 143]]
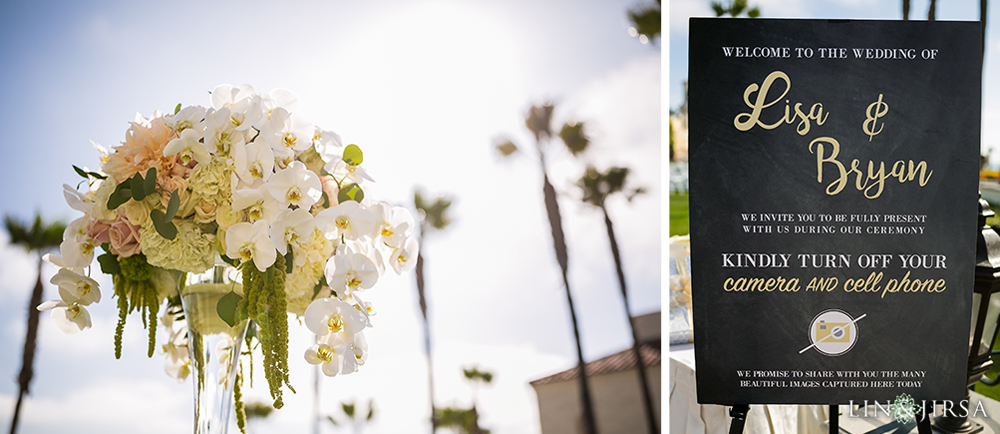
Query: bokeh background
[[426, 88]]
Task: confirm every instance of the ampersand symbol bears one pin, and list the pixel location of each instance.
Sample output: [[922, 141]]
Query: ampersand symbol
[[875, 110]]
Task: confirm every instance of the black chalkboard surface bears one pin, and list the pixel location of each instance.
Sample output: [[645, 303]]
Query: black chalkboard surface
[[833, 189]]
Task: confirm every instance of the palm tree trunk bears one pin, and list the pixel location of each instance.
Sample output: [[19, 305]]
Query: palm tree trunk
[[559, 241], [28, 358], [906, 10], [419, 271], [932, 11], [647, 397], [982, 19]]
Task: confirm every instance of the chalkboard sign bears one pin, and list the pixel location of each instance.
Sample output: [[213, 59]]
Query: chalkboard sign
[[833, 187]]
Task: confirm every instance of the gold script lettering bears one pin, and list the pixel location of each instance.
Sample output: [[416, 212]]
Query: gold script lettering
[[746, 121], [870, 181]]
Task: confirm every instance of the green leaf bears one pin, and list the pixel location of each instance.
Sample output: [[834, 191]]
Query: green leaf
[[109, 264], [138, 187], [178, 108], [350, 192], [228, 306], [353, 155], [228, 260], [163, 225], [175, 202], [319, 286], [289, 261], [121, 195], [149, 184], [87, 174], [326, 200]]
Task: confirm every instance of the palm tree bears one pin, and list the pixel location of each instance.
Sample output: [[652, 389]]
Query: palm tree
[[734, 8], [932, 10], [38, 239], [645, 22], [434, 217], [475, 377], [353, 414], [539, 121], [597, 187]]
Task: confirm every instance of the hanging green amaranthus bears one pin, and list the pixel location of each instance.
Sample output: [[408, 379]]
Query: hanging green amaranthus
[[265, 303], [135, 289]]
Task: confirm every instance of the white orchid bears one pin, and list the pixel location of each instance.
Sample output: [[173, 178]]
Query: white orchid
[[77, 249], [253, 161], [393, 224], [296, 186], [190, 117], [284, 98], [225, 95], [371, 251], [246, 242], [350, 272], [55, 259], [292, 227], [329, 316], [220, 134], [77, 200], [360, 350], [405, 258], [325, 142], [347, 219], [189, 146], [76, 288], [331, 357], [285, 130], [71, 320], [258, 203], [341, 170], [178, 361], [101, 150]]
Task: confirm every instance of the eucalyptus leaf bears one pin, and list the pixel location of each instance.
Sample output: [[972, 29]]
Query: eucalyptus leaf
[[163, 225], [121, 195], [353, 155], [138, 187], [350, 192], [149, 184], [227, 307], [175, 202]]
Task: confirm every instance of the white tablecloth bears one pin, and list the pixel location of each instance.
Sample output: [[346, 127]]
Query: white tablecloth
[[687, 416]]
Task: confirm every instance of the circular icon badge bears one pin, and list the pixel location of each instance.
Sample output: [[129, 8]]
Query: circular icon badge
[[833, 332]]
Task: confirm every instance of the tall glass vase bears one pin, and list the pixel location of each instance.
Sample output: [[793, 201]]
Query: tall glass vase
[[214, 346]]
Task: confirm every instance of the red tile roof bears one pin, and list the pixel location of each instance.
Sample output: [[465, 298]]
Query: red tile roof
[[617, 362]]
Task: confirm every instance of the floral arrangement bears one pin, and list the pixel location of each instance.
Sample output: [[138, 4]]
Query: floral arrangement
[[250, 182]]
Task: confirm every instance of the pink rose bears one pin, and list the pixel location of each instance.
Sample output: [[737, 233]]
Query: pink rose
[[98, 231], [331, 189], [124, 237]]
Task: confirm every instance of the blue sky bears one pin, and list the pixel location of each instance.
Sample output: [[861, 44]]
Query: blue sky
[[424, 87], [957, 10]]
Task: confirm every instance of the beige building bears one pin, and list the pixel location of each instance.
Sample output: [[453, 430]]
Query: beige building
[[614, 389]]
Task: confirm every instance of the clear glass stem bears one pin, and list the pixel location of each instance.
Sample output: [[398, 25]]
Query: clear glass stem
[[214, 348]]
